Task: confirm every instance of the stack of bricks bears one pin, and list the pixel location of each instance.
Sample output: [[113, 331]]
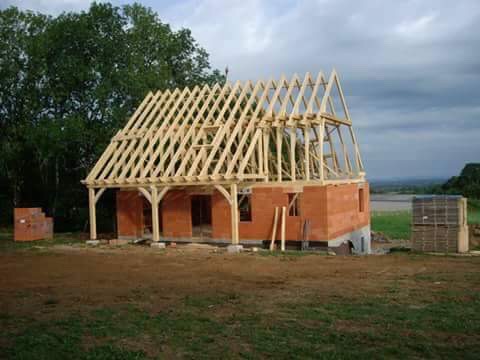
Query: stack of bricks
[[32, 224], [440, 224]]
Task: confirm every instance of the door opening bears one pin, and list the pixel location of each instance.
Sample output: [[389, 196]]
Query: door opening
[[201, 216]]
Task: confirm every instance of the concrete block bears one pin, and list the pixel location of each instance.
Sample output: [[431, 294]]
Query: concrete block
[[158, 245], [92, 242], [234, 249]]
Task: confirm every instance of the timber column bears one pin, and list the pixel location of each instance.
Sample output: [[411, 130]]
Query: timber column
[[92, 213], [155, 222], [234, 213]]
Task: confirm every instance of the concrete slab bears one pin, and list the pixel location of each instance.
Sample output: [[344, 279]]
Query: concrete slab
[[158, 245], [234, 249], [92, 242], [118, 242]]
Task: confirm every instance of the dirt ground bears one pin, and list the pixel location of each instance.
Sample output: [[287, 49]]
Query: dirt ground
[[136, 302], [78, 277]]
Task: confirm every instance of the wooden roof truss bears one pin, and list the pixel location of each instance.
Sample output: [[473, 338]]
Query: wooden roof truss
[[296, 130]]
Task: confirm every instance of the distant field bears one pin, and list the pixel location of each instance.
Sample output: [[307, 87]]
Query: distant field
[[390, 202], [394, 224], [391, 214]]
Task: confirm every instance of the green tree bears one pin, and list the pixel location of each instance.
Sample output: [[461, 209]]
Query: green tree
[[67, 83]]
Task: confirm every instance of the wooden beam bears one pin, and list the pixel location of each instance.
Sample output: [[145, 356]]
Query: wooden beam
[[92, 214], [146, 194], [234, 213], [274, 229], [279, 153], [293, 144], [155, 220], [222, 135], [225, 193], [282, 239], [99, 194]]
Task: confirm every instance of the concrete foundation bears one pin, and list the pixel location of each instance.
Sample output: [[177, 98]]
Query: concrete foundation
[[360, 239]]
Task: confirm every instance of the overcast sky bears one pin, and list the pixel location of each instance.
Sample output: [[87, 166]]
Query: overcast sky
[[410, 70]]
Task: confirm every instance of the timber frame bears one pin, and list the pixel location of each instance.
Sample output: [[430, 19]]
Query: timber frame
[[231, 136]]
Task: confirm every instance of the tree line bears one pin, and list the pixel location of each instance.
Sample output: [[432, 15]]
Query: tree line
[[67, 83]]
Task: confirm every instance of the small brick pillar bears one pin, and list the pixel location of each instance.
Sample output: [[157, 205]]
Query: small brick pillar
[[129, 215]]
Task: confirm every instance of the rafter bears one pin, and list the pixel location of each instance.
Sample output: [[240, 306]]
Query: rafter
[[284, 131]]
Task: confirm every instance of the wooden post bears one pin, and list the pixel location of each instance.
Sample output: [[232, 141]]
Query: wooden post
[[293, 143], [284, 211], [155, 223], [279, 153], [234, 213], [274, 230], [266, 149], [92, 213], [307, 152], [322, 160]]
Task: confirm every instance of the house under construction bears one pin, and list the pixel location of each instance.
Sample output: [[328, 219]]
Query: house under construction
[[242, 163]]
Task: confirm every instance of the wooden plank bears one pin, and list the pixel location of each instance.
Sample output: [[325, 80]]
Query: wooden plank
[[282, 239], [293, 144], [274, 229]]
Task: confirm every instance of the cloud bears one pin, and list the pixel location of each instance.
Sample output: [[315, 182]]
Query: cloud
[[415, 27], [409, 69]]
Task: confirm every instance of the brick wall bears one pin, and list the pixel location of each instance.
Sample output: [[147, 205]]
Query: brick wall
[[332, 210], [343, 206], [221, 219], [129, 214], [176, 214]]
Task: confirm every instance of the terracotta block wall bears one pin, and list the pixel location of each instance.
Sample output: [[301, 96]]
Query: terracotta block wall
[[263, 203], [129, 214], [32, 224], [313, 207], [221, 219], [343, 206], [332, 211], [176, 214]]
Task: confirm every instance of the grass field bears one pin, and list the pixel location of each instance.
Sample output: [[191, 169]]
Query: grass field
[[366, 327], [394, 224], [474, 211], [397, 224]]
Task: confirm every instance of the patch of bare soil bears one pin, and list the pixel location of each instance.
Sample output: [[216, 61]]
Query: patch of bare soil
[[64, 279]]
